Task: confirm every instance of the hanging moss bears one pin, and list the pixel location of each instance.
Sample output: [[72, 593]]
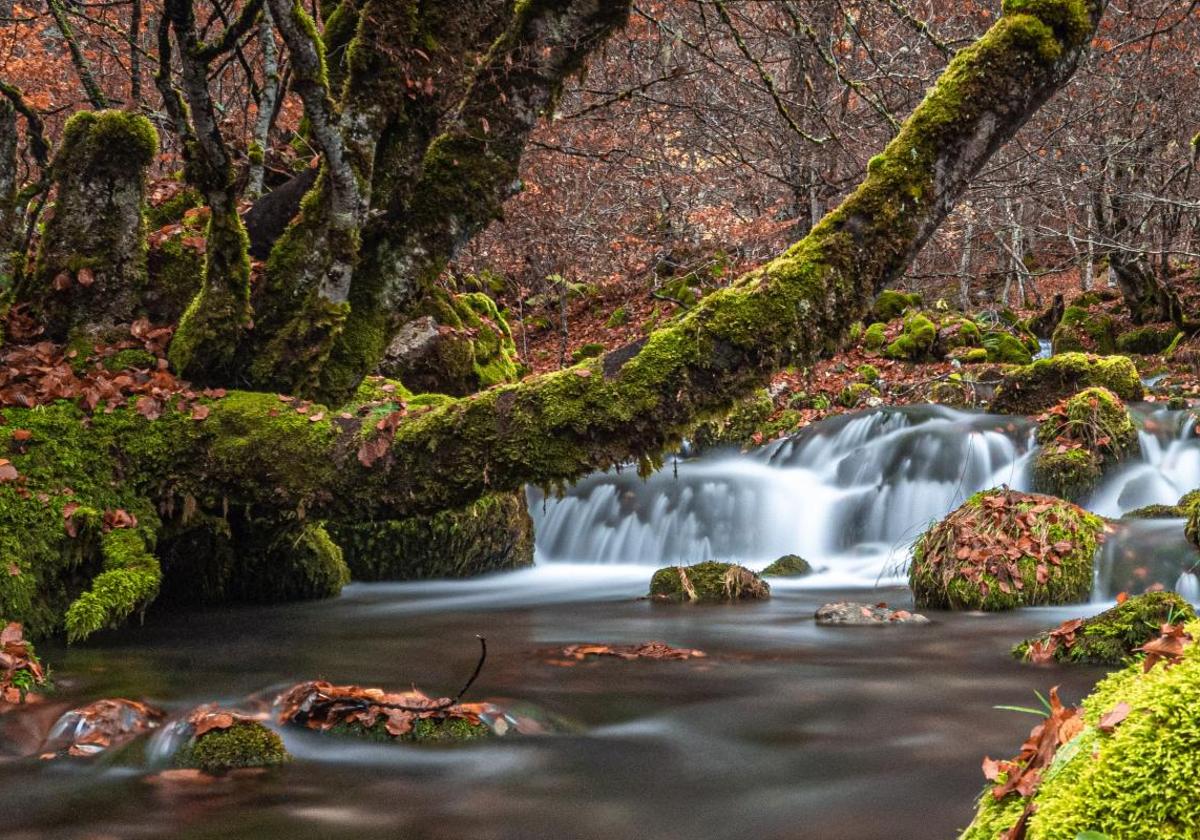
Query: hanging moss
[[737, 427], [492, 534], [1034, 388], [992, 521], [707, 583], [1112, 637]]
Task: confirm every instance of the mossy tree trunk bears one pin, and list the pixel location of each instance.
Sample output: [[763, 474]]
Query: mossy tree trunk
[[90, 270], [9, 220]]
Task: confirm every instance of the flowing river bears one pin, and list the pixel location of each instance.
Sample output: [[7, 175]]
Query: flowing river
[[785, 729]]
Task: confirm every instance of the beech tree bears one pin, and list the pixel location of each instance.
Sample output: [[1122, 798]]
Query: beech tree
[[421, 113]]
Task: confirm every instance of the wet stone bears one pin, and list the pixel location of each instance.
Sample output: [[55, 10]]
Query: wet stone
[[853, 614]]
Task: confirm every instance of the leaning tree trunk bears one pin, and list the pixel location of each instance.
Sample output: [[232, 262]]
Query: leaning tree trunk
[[91, 265], [254, 455]]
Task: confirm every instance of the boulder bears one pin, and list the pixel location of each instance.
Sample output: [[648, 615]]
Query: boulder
[[1081, 438], [1003, 549], [1081, 330], [1034, 388], [707, 583], [789, 565], [1111, 637]]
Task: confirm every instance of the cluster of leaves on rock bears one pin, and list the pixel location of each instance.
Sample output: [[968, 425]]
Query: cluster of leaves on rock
[[1002, 548], [21, 671]]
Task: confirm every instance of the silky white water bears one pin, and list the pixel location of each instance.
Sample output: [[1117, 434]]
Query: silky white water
[[850, 494]]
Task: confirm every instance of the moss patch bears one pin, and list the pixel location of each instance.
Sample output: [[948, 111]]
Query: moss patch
[[244, 744], [707, 583], [1034, 388], [789, 565]]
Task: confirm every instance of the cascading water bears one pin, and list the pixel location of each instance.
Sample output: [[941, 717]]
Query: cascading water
[[851, 493]]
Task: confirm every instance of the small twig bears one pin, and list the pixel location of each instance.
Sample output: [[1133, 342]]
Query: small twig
[[441, 707]]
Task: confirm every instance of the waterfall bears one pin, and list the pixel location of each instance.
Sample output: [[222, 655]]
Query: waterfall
[[850, 494]]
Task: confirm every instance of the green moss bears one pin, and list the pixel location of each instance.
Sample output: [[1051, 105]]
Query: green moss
[[940, 580], [956, 331], [132, 359], [1096, 422], [618, 318], [1006, 348], [173, 209], [856, 393], [245, 744], [789, 565], [1034, 388], [738, 425], [1148, 340], [891, 303], [1132, 782], [867, 373], [492, 534], [587, 351], [707, 583], [916, 342], [1084, 331], [433, 730], [1111, 637], [875, 336], [176, 274], [1155, 512]]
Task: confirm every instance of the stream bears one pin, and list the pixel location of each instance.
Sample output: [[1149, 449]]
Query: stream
[[785, 729]]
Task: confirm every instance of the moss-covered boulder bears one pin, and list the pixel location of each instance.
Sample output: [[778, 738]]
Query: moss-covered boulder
[[492, 534], [956, 332], [1155, 512], [1005, 348], [892, 304], [1111, 637], [738, 427], [1081, 330], [916, 343], [456, 344], [1036, 387], [707, 583], [1003, 549], [875, 336], [1081, 438], [1148, 340], [789, 565], [224, 741], [1127, 772]]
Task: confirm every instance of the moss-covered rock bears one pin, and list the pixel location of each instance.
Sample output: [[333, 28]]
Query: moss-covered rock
[[1005, 348], [957, 332], [867, 373], [789, 565], [1083, 331], [857, 394], [1111, 637], [131, 359], [892, 304], [587, 351], [1081, 438], [1155, 512], [1036, 387], [454, 344], [245, 743], [1055, 542], [916, 342], [493, 534], [875, 336], [1148, 340], [1131, 779], [450, 730], [707, 583]]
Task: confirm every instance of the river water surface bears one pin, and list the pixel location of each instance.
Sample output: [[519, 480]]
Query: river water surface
[[785, 729]]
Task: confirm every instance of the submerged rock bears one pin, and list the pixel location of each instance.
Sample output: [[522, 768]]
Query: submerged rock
[[1003, 549], [1034, 388], [789, 565], [852, 614], [1128, 771], [222, 741], [100, 726], [707, 583], [1111, 637]]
